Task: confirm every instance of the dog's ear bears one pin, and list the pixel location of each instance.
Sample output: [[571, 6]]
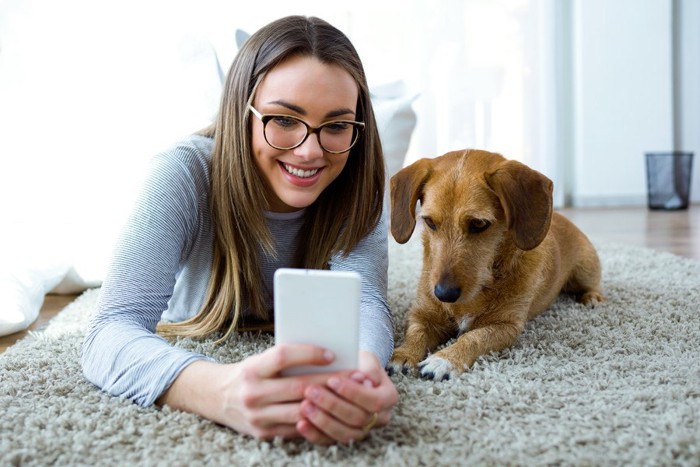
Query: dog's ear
[[406, 189], [526, 198]]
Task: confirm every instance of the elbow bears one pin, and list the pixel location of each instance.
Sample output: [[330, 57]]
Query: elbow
[[88, 360]]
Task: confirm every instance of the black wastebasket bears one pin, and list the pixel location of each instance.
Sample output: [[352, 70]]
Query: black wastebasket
[[668, 179]]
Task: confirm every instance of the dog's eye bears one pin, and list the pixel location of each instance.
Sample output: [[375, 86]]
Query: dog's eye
[[429, 222], [478, 225]]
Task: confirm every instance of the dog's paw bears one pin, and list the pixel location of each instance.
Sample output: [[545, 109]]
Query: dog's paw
[[435, 368], [592, 298], [402, 361], [394, 367]]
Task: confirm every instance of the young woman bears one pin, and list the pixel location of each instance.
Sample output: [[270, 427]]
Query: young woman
[[291, 174]]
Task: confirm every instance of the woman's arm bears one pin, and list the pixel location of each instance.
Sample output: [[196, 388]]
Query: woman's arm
[[121, 353]]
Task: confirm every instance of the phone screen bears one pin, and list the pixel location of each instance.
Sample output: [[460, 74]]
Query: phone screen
[[319, 307]]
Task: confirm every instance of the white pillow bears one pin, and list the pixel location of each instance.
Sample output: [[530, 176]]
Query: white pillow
[[22, 290], [32, 264], [396, 121]]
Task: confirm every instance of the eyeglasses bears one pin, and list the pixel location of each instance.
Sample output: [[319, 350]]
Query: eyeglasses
[[285, 132]]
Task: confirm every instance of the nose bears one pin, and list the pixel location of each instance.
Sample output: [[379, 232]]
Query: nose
[[447, 292], [310, 149]]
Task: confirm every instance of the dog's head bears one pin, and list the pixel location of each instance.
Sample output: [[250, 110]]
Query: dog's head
[[476, 207]]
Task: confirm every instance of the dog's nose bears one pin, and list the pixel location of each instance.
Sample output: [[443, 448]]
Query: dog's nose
[[447, 294]]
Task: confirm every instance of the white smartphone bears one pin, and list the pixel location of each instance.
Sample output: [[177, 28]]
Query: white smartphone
[[319, 307]]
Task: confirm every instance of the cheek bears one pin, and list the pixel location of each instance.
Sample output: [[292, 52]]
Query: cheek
[[337, 165], [264, 155], [263, 163], [260, 147]]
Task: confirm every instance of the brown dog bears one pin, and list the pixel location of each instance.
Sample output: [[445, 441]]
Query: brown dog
[[494, 256]]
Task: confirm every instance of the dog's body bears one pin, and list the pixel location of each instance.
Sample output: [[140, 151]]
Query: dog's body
[[494, 256]]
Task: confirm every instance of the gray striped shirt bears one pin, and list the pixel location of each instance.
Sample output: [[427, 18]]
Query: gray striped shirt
[[161, 269]]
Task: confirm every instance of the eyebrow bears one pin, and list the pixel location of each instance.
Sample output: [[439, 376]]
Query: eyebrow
[[301, 111]]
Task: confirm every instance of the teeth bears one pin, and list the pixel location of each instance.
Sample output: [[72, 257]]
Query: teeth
[[300, 173]]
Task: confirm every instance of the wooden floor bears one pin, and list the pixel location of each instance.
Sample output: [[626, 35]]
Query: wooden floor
[[676, 232]]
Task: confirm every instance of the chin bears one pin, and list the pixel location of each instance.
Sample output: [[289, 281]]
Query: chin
[[294, 203]]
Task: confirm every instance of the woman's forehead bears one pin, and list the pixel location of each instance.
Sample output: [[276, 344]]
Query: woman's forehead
[[309, 84]]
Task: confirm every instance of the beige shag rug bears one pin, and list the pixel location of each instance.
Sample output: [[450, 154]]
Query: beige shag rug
[[616, 385]]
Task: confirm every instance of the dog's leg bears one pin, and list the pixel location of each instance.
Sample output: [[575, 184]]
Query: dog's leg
[[585, 279], [461, 355], [427, 328]]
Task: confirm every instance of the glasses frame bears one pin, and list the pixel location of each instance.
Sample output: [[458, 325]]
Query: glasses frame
[[265, 118]]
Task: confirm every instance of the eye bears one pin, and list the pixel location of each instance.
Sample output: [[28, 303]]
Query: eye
[[429, 222], [284, 121], [478, 225], [337, 127]]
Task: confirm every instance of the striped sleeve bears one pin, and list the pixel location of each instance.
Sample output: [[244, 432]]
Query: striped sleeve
[[121, 352]]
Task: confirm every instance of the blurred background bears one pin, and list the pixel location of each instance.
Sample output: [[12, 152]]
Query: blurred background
[[90, 91]]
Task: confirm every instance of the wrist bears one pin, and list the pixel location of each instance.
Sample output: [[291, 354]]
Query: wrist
[[197, 389]]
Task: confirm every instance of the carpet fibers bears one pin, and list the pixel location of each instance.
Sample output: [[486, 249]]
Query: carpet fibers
[[614, 385]]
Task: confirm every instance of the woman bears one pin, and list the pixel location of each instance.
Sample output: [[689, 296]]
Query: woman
[[291, 174]]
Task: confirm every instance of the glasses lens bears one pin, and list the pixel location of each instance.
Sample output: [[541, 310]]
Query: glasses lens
[[338, 136], [284, 132]]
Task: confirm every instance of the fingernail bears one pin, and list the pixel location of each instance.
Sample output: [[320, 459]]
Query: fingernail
[[368, 383], [314, 393], [329, 356], [334, 383], [302, 428], [309, 410], [357, 376]]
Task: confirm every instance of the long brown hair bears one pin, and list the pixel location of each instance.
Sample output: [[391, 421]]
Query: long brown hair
[[345, 212]]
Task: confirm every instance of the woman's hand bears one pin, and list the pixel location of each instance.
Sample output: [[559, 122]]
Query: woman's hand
[[250, 396], [348, 406]]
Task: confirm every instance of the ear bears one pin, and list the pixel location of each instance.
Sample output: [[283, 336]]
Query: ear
[[406, 189], [526, 198]]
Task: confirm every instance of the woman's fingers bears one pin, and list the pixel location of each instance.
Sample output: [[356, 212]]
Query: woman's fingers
[[269, 433], [349, 411], [330, 426], [341, 409], [281, 357], [364, 395], [313, 434], [269, 416], [260, 379], [368, 398]]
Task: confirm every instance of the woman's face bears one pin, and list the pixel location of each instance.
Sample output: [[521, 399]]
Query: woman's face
[[316, 93]]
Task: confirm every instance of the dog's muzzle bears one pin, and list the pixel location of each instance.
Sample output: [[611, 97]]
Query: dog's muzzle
[[447, 293]]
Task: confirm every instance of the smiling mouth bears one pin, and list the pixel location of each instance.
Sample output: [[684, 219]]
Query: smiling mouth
[[298, 172]]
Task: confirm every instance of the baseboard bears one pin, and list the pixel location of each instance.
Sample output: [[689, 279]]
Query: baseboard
[[608, 201]]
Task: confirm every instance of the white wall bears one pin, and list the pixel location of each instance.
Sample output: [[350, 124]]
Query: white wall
[[687, 99], [623, 96]]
